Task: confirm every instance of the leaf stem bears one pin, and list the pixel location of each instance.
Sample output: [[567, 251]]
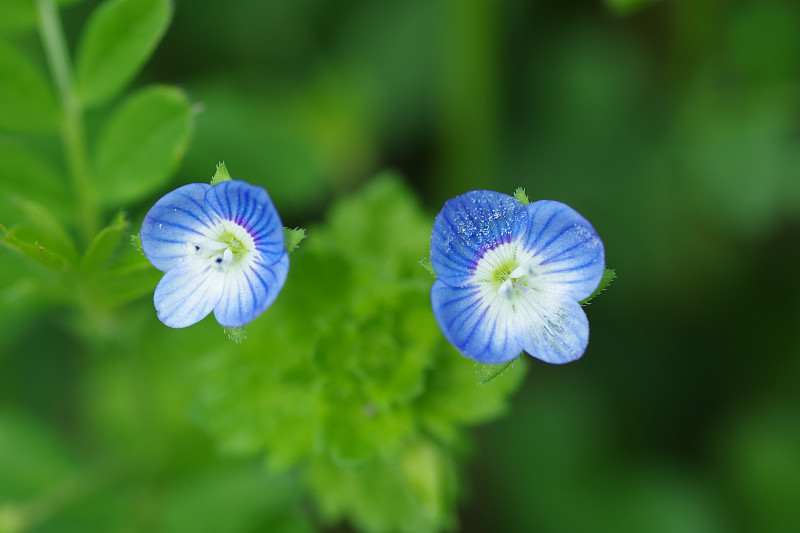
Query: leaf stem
[[72, 128]]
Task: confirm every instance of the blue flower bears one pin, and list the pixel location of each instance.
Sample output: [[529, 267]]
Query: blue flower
[[221, 248], [510, 277]]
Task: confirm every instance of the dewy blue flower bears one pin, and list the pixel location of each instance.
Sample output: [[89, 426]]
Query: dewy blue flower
[[510, 277], [222, 249]]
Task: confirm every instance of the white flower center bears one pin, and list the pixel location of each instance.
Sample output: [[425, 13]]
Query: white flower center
[[506, 270], [227, 245]]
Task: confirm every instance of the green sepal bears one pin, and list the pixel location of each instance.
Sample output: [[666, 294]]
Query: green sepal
[[104, 243], [488, 372], [293, 238], [221, 174], [521, 196], [608, 277], [136, 242], [237, 335], [426, 264]]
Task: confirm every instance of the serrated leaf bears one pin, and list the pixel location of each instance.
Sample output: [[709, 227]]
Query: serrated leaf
[[119, 37], [142, 144], [608, 277], [26, 101], [104, 243], [488, 372]]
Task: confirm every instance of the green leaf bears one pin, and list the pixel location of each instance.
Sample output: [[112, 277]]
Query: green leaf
[[17, 241], [488, 372], [26, 102], [118, 39], [608, 277], [24, 174], [142, 144], [104, 244], [41, 237]]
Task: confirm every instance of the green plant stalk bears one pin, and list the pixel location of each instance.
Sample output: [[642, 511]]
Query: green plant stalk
[[72, 128]]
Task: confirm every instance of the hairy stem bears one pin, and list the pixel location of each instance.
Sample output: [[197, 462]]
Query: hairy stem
[[72, 129]]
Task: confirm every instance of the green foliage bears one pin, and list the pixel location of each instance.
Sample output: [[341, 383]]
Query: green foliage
[[348, 378], [142, 144], [119, 38], [26, 102], [43, 199]]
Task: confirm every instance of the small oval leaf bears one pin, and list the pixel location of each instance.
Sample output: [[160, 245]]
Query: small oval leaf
[[26, 102], [142, 144], [119, 38]]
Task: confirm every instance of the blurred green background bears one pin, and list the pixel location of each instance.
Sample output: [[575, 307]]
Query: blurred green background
[[674, 128]]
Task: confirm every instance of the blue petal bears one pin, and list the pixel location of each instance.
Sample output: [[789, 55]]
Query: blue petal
[[551, 327], [251, 207], [478, 327], [569, 254], [177, 219], [249, 291], [467, 226], [187, 293]]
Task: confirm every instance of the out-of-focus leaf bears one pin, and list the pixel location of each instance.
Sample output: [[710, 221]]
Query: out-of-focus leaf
[[118, 39], [104, 243], [132, 279], [626, 7], [41, 237], [32, 459], [26, 102], [17, 16], [237, 499], [24, 174], [299, 143], [142, 144]]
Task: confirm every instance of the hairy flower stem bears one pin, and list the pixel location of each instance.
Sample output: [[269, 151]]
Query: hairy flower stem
[[72, 128]]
